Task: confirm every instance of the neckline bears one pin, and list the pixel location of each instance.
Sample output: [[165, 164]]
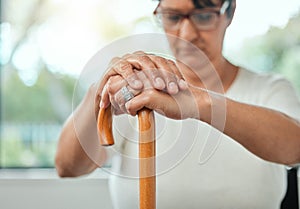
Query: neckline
[[235, 81]]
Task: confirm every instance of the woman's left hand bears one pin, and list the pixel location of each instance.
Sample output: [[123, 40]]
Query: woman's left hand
[[185, 104]]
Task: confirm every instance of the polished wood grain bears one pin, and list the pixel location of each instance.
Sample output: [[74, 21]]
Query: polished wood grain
[[104, 125], [147, 159]]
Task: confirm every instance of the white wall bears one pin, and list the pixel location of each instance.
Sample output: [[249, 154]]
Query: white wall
[[54, 194], [83, 193]]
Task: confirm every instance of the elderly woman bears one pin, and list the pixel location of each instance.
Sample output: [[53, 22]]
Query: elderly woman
[[252, 119]]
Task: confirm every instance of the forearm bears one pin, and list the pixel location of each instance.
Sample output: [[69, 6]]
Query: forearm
[[78, 150], [268, 134]]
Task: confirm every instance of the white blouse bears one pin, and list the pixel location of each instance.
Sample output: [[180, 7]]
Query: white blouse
[[200, 167]]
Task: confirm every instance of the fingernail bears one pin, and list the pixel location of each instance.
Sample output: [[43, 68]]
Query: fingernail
[[182, 84], [173, 87], [159, 83], [137, 84]]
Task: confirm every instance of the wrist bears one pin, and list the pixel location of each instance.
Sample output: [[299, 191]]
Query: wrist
[[212, 108]]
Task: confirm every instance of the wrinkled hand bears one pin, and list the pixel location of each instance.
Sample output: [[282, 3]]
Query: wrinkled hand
[[185, 104], [161, 73]]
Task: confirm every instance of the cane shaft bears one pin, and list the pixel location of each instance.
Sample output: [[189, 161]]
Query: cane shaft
[[147, 167], [147, 159]]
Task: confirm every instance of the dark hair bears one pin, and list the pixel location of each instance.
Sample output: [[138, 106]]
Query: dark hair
[[200, 4]]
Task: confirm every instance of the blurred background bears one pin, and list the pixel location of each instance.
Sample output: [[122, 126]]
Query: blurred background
[[44, 45]]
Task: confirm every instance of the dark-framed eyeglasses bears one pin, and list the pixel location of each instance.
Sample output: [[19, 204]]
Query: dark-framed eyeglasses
[[202, 19]]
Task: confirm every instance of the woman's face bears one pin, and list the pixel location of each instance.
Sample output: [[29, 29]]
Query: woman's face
[[209, 41]]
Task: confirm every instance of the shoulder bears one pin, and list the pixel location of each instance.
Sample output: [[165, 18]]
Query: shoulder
[[262, 82], [250, 86], [267, 83], [272, 90], [263, 78]]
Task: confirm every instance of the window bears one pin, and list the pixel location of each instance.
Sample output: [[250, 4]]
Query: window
[[45, 44]]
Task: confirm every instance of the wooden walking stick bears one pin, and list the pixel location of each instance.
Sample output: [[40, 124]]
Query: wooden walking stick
[[147, 168]]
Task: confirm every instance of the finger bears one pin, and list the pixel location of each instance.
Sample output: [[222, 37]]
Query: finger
[[109, 73], [180, 106], [152, 99], [101, 84], [141, 61], [121, 98], [146, 81], [138, 103], [126, 70], [115, 67], [113, 84], [167, 68], [180, 79], [172, 82], [172, 75]]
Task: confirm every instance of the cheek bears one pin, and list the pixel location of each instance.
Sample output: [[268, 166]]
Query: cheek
[[210, 44], [213, 40], [173, 40]]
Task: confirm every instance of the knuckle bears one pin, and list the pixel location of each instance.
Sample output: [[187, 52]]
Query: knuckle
[[110, 80], [115, 78], [151, 93], [169, 76], [130, 109], [147, 98], [124, 67], [110, 86], [146, 62], [143, 58], [160, 60], [114, 60], [139, 52], [171, 63], [110, 89]]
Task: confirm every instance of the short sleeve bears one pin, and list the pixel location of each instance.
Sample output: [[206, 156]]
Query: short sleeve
[[280, 95]]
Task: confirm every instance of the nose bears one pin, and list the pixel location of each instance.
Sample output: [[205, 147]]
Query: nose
[[188, 31]]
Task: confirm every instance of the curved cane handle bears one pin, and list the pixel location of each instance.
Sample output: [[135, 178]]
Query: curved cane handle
[[147, 166], [104, 126]]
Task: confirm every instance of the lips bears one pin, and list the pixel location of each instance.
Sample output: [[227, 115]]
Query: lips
[[191, 56], [191, 49]]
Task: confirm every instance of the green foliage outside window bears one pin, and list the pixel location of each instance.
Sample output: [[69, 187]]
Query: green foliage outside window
[[278, 50], [32, 115]]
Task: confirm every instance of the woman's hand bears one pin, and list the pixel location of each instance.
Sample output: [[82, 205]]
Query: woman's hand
[[185, 104], [162, 74]]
